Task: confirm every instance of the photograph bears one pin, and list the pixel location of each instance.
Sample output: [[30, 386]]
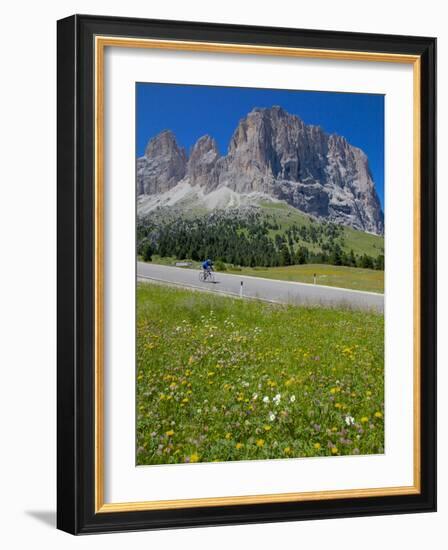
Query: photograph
[[260, 246]]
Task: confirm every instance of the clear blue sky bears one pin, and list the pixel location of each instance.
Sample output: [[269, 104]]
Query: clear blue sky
[[193, 111]]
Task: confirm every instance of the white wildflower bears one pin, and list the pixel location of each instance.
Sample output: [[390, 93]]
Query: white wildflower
[[349, 420], [265, 399], [255, 396], [292, 398], [276, 399], [271, 416]]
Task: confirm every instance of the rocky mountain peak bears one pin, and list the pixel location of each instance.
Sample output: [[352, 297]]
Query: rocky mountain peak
[[163, 143], [201, 163], [163, 165], [203, 146]]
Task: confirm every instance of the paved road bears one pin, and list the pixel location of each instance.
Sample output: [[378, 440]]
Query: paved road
[[266, 289]]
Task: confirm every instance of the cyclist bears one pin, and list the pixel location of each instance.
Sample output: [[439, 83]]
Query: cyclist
[[207, 266]]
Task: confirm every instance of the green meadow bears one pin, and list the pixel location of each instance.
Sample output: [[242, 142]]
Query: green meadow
[[355, 278], [222, 379]]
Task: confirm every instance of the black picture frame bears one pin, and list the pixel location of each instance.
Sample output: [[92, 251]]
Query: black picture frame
[[76, 273]]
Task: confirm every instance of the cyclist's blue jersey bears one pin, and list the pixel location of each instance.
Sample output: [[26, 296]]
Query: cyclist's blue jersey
[[207, 264]]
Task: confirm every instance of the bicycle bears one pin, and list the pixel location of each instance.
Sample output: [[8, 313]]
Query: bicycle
[[205, 275]]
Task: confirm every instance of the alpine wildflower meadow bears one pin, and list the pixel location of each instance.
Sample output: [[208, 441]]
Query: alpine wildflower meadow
[[221, 378]]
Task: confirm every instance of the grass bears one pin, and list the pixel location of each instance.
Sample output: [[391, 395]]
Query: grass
[[331, 275], [222, 379]]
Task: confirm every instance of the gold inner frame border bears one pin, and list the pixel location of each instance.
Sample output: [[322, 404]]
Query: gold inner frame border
[[100, 43]]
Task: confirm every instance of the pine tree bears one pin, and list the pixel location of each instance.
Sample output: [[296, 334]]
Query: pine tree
[[285, 255], [147, 252]]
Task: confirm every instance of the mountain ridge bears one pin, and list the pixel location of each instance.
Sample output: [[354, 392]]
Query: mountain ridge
[[272, 154]]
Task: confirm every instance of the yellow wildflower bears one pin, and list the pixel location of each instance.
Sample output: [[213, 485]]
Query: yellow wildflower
[[169, 433], [364, 419], [260, 442], [317, 446], [239, 446], [228, 435], [267, 428], [378, 414], [334, 450], [194, 457], [287, 450]]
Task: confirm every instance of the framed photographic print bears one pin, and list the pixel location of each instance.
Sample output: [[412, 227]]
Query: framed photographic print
[[246, 274]]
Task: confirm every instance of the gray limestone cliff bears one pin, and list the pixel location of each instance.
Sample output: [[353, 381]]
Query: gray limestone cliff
[[273, 153]]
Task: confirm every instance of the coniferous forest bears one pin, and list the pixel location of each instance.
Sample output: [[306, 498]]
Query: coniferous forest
[[247, 238]]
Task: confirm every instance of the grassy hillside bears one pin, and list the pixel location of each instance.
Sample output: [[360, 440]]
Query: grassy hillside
[[358, 241], [269, 235], [226, 379]]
